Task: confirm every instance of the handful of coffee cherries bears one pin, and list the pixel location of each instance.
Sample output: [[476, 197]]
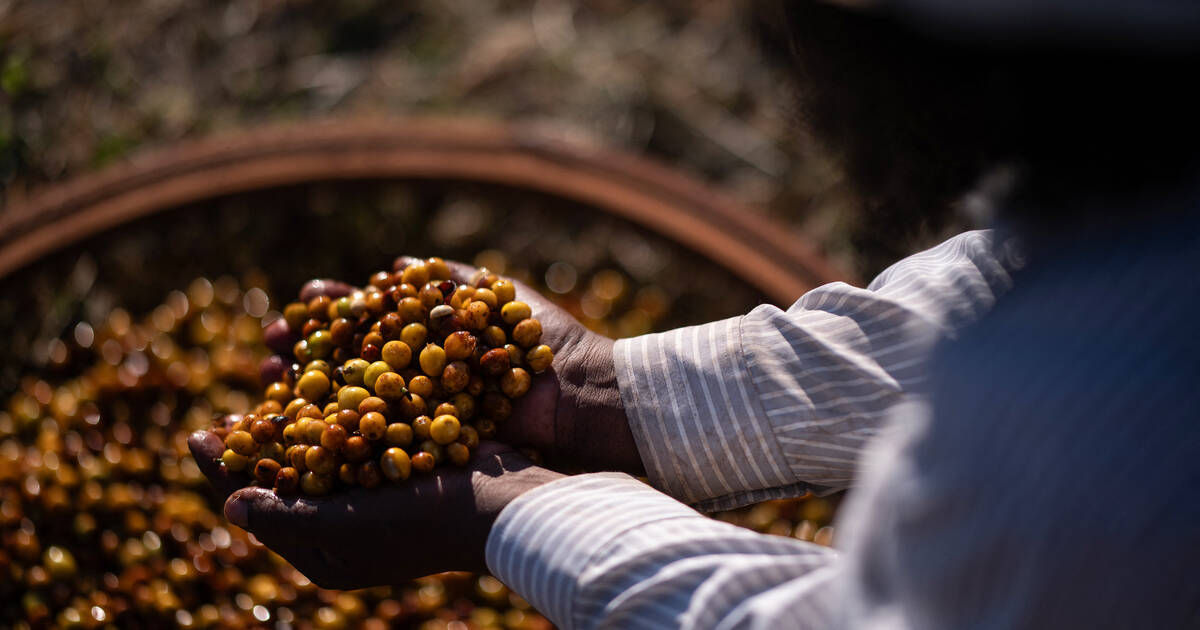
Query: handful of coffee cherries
[[406, 374]]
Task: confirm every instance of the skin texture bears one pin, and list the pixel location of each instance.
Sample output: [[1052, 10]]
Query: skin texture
[[359, 538]]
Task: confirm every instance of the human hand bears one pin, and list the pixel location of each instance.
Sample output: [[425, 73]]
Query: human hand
[[367, 537], [572, 414]]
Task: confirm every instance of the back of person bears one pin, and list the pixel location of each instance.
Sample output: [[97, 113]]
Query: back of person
[[1061, 457]]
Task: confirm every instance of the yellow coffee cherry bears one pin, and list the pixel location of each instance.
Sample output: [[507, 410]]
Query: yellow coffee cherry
[[433, 360], [444, 429], [397, 354], [313, 385], [350, 397], [395, 464], [514, 312]]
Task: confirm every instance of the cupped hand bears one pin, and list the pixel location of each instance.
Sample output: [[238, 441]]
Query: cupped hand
[[572, 414], [362, 537]]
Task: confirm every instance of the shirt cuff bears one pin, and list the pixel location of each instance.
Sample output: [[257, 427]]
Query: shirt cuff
[[543, 542], [699, 428]]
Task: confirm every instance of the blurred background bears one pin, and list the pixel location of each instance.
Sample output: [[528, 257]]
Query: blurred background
[[84, 84], [119, 345]]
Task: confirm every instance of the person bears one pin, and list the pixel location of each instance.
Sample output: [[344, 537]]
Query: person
[[1015, 409]]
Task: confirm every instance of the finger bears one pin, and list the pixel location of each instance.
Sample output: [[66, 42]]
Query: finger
[[206, 449], [324, 286], [269, 516]]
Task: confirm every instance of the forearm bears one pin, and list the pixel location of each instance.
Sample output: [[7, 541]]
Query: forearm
[[772, 403], [607, 551]]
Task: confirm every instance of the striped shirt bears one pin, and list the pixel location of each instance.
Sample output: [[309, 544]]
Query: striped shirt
[[774, 403]]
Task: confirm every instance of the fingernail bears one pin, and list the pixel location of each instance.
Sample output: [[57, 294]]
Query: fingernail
[[238, 513]]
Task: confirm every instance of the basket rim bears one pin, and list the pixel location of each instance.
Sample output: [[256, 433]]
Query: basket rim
[[759, 250]]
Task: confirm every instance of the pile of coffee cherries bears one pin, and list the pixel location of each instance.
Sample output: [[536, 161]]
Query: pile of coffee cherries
[[396, 378], [107, 522]]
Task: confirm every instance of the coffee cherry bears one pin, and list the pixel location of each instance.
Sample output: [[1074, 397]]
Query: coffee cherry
[[421, 385], [369, 474], [413, 335], [347, 473], [265, 472], [469, 437], [432, 360], [263, 430], [397, 354], [348, 419], [313, 385], [527, 332], [279, 392], [477, 314], [296, 457], [411, 310], [430, 296], [390, 385], [539, 358], [398, 434], [395, 464], [494, 362], [354, 370], [241, 442], [455, 377], [416, 274], [505, 291], [514, 312], [438, 269], [287, 481], [313, 430], [422, 462], [459, 345], [372, 425], [461, 296], [373, 372], [320, 460], [444, 429], [234, 461], [421, 427], [459, 454], [316, 485], [334, 438], [350, 397], [295, 314], [293, 407], [356, 449], [515, 382]]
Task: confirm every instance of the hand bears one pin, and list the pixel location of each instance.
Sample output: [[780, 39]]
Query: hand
[[389, 534], [573, 413]]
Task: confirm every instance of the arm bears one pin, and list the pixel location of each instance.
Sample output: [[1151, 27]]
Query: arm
[[762, 406], [606, 551], [729, 413]]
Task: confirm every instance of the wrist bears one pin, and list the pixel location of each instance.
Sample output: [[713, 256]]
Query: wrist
[[591, 429]]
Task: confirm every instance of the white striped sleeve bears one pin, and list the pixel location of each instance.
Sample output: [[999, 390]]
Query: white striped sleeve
[[769, 404], [606, 551]]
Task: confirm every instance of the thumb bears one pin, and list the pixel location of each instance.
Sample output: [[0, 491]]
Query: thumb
[[261, 511]]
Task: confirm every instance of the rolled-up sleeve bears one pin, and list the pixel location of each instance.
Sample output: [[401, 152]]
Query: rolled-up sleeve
[[776, 402], [607, 551]]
